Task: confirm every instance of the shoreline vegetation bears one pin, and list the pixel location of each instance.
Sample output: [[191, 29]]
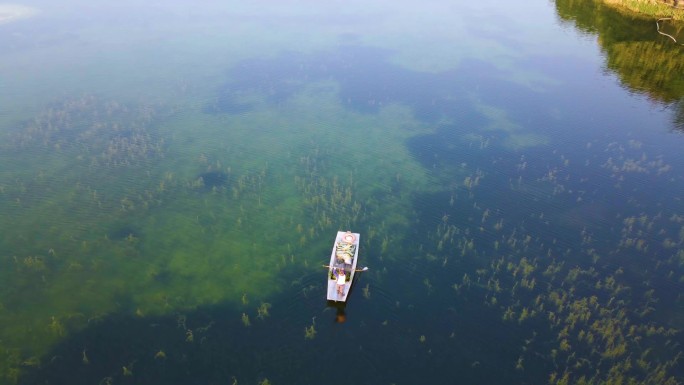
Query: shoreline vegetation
[[12, 12], [652, 8]]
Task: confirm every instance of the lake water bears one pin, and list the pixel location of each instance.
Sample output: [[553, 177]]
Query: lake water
[[172, 177]]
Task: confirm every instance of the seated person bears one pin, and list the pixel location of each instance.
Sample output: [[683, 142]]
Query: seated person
[[341, 281]]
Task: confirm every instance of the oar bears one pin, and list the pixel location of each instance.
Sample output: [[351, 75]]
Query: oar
[[365, 268]]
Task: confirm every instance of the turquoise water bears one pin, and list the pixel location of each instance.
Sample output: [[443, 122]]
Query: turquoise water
[[172, 177]]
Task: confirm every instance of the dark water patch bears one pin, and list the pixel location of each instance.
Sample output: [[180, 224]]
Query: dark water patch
[[214, 179], [228, 102], [163, 276], [125, 231], [580, 226], [445, 148], [367, 80], [678, 117], [212, 345], [523, 241]]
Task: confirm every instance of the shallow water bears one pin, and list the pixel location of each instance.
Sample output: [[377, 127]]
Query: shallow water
[[172, 177]]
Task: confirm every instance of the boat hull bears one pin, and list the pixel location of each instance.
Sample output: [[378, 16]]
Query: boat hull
[[345, 253]]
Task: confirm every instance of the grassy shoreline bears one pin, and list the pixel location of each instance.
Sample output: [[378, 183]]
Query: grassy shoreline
[[652, 8]]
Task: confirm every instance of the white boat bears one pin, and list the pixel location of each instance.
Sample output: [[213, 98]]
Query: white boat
[[345, 253]]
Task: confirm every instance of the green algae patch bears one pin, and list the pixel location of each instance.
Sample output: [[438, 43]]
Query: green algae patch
[[152, 216]]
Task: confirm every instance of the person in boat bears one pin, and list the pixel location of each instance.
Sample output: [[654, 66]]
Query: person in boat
[[341, 281]]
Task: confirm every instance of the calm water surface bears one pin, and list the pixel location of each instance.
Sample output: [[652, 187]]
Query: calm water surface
[[172, 178]]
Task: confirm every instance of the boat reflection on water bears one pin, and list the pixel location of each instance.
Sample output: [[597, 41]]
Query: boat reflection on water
[[341, 316], [340, 311]]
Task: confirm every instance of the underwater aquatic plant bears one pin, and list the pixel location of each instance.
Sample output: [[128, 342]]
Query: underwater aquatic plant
[[310, 331], [262, 310], [366, 291]]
